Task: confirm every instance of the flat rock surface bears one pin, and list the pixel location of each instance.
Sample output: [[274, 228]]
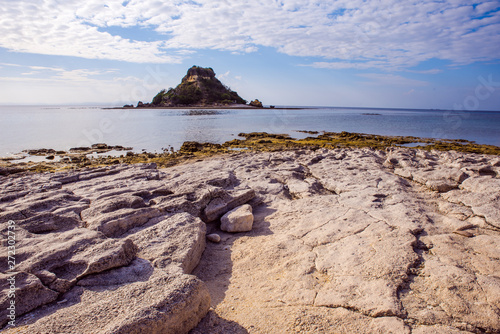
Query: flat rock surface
[[360, 241], [343, 241]]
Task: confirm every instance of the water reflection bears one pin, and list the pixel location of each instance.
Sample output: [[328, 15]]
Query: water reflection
[[196, 112], [61, 128]]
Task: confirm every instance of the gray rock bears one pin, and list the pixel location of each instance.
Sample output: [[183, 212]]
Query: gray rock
[[138, 270], [73, 254], [63, 245], [116, 223], [239, 219], [28, 293], [214, 237], [220, 205], [367, 269], [131, 308], [177, 240]]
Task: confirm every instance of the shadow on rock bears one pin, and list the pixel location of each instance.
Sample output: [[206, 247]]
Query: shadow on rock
[[139, 270], [213, 324], [215, 267]]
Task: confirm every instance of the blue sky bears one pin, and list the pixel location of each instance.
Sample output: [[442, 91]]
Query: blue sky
[[354, 53]]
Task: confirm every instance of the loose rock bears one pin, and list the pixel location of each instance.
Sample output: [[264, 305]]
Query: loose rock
[[239, 219], [213, 237]]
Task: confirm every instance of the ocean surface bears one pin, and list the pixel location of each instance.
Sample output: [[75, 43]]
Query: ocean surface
[[63, 127]]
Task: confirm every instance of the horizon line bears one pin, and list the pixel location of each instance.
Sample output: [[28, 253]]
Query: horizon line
[[101, 105]]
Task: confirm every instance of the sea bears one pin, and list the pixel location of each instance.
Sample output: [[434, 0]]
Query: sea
[[154, 130]]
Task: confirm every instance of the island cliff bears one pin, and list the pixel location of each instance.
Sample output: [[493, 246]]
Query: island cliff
[[199, 87]]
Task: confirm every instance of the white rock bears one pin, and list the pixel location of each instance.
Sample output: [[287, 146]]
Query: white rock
[[239, 219]]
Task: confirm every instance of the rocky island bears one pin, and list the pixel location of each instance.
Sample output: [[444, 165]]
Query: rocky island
[[199, 88], [334, 239]]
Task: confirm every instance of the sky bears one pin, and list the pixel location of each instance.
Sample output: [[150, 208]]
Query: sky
[[347, 53]]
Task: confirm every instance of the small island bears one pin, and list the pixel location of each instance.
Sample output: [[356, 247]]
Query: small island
[[199, 88]]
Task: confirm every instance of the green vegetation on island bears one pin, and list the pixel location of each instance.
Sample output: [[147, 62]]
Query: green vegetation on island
[[256, 103], [199, 87]]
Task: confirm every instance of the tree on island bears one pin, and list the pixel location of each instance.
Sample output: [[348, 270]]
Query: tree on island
[[199, 87]]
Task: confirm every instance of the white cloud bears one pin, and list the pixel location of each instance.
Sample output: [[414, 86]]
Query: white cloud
[[391, 80], [10, 64], [53, 28], [53, 85], [431, 71], [387, 34], [223, 75], [348, 65]]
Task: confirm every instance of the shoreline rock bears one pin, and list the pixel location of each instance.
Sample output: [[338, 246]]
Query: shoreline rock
[[348, 240], [214, 237], [255, 141], [256, 103]]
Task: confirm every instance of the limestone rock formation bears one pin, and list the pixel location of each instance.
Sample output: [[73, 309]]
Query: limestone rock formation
[[120, 240], [343, 244], [199, 87], [350, 240]]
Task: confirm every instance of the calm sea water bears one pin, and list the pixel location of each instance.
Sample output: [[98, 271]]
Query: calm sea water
[[60, 128]]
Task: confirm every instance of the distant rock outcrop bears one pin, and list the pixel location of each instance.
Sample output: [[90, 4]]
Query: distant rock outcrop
[[256, 103], [143, 105], [199, 87]]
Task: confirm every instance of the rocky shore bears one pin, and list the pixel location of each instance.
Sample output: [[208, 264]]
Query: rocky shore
[[344, 240], [50, 160]]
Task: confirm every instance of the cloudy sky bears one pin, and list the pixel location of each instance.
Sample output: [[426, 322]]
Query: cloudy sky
[[379, 53]]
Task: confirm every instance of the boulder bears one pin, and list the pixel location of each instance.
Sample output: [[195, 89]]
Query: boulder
[[178, 240], [227, 201], [239, 219]]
